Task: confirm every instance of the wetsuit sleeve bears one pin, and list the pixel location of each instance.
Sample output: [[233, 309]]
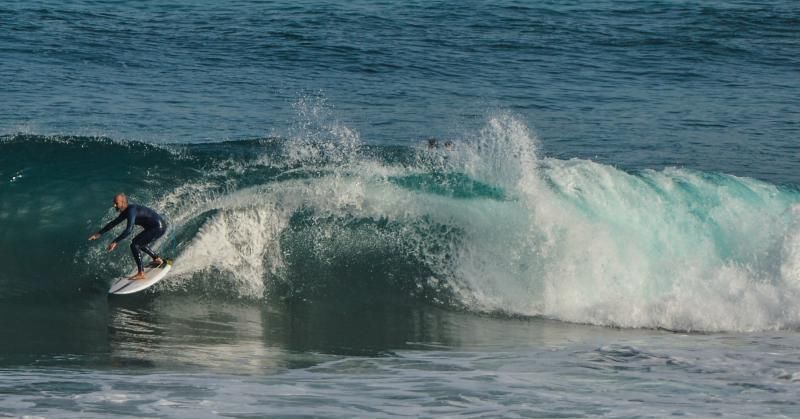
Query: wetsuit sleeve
[[112, 224], [131, 222]]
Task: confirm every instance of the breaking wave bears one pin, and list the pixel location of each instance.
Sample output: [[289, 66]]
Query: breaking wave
[[487, 225]]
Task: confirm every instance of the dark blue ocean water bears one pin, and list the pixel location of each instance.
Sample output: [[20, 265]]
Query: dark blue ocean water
[[706, 84], [615, 229]]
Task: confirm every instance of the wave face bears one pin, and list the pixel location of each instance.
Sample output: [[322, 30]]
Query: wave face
[[487, 225]]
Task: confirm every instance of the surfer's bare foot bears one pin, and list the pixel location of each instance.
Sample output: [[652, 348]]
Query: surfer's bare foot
[[138, 276]]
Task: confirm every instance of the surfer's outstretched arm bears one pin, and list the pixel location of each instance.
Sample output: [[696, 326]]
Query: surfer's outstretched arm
[[108, 227], [112, 224]]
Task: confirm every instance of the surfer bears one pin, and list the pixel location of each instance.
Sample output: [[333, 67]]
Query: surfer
[[433, 144], [154, 227]]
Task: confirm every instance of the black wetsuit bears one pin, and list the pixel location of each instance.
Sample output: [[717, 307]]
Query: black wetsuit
[[154, 227]]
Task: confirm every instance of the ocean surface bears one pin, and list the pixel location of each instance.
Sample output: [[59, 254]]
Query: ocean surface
[[421, 208]]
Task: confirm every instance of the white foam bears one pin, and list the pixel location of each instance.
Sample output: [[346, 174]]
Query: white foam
[[573, 240], [668, 249]]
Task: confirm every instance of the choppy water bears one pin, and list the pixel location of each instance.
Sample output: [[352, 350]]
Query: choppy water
[[613, 232], [179, 356]]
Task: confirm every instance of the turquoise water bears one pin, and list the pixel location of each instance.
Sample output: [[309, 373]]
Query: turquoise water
[[613, 231]]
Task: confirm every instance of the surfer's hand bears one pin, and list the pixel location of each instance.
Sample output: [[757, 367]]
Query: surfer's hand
[[94, 236], [112, 246]]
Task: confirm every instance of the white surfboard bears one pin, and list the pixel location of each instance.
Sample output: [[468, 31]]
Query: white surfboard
[[153, 275]]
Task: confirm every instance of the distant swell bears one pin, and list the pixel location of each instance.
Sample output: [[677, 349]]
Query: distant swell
[[489, 226]]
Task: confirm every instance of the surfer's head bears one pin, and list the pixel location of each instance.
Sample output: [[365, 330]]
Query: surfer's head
[[120, 202]]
